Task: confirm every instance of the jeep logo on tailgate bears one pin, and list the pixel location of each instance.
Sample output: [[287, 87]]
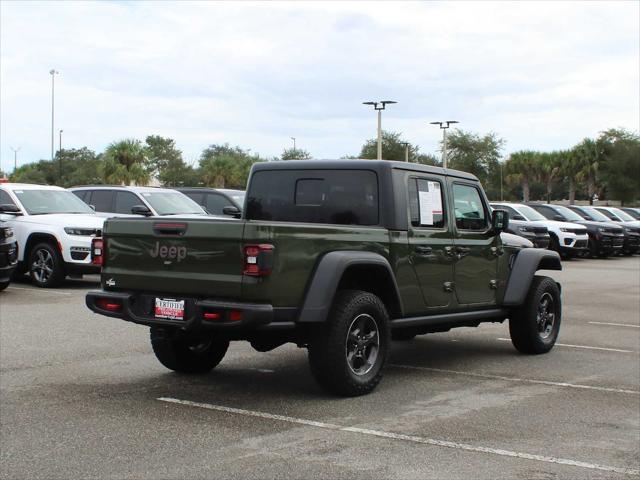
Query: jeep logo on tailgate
[[168, 253]]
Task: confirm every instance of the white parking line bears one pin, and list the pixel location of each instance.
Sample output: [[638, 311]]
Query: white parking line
[[407, 438], [39, 290], [516, 379], [615, 324], [618, 350]]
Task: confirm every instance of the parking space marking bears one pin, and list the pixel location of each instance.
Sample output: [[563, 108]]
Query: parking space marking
[[586, 347], [615, 324], [407, 438], [523, 380], [40, 290]]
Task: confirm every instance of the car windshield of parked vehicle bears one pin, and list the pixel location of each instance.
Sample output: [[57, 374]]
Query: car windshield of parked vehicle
[[570, 215], [42, 202], [530, 214], [172, 203], [596, 214], [623, 215]]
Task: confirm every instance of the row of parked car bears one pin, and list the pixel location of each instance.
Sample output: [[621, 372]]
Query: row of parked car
[[47, 231], [576, 230]]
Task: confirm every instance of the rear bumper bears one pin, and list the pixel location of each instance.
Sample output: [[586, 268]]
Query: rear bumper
[[139, 308]]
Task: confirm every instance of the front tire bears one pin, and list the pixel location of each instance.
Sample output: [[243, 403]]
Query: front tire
[[535, 325], [187, 355], [46, 267], [349, 353]]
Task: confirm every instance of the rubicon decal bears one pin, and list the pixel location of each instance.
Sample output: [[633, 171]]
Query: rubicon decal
[[168, 253]]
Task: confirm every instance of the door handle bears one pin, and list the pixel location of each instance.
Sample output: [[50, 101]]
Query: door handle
[[462, 251], [448, 251], [423, 250]]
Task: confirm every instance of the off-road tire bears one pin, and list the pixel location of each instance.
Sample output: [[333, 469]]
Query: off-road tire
[[523, 321], [187, 355], [4, 285], [51, 256], [402, 336], [328, 350]]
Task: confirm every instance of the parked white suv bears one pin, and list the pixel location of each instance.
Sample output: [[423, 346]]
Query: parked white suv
[[568, 239], [120, 201], [53, 228]]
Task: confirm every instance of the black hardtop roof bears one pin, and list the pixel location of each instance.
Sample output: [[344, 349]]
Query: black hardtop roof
[[359, 164]]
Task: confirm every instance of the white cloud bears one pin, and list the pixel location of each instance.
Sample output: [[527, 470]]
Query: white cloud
[[541, 74]]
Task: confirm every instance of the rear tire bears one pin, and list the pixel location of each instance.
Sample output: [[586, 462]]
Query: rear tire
[[535, 325], [348, 354], [187, 355], [46, 267]]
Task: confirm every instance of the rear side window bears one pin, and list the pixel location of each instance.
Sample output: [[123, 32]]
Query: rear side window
[[342, 197], [426, 203], [102, 200]]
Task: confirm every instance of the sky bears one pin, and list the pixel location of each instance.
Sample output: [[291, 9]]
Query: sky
[[541, 75]]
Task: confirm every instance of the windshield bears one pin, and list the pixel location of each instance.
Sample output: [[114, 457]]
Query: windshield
[[530, 214], [596, 215], [172, 203], [569, 214], [623, 215], [42, 202]]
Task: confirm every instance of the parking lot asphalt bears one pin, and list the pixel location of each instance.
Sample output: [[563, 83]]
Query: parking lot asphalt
[[82, 396]]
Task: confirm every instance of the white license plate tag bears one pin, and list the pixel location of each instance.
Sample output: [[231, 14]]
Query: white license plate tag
[[169, 308]]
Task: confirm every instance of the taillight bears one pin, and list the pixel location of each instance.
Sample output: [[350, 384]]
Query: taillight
[[258, 260], [97, 251], [109, 304]]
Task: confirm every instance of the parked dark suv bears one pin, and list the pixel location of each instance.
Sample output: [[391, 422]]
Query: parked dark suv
[[518, 225], [604, 238], [631, 235], [8, 252]]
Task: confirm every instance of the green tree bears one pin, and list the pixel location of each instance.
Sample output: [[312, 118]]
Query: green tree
[[479, 155], [125, 162], [522, 167], [42, 172], [588, 156], [393, 148], [223, 166], [295, 154], [548, 167], [571, 168], [620, 164], [160, 152]]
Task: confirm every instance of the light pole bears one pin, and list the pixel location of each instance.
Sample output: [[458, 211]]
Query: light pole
[[15, 157], [444, 126], [379, 106], [60, 154], [294, 142], [53, 72], [406, 151]]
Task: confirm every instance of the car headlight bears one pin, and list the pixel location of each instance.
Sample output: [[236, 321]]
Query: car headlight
[[7, 232], [84, 232], [523, 229], [602, 229], [566, 230]]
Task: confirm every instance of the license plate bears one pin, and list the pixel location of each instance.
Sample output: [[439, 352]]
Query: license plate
[[169, 308]]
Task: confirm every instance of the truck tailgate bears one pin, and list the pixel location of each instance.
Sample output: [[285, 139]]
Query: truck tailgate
[[194, 256]]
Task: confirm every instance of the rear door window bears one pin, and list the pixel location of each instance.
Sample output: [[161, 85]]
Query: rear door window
[[342, 197], [426, 204], [102, 200]]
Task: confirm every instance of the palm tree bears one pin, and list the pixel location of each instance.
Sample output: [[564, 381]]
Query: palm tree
[[125, 162], [522, 166], [571, 168], [548, 168], [589, 155]]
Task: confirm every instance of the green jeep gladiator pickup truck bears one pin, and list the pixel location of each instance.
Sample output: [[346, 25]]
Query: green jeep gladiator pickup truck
[[339, 257]]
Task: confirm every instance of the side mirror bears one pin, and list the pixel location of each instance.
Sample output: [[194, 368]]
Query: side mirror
[[558, 218], [499, 220], [10, 209], [141, 210], [232, 211], [519, 217]]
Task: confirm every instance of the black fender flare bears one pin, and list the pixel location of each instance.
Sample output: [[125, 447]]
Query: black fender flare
[[527, 262], [327, 276]]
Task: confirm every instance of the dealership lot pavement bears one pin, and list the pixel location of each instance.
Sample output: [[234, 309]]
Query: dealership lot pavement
[[83, 396]]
